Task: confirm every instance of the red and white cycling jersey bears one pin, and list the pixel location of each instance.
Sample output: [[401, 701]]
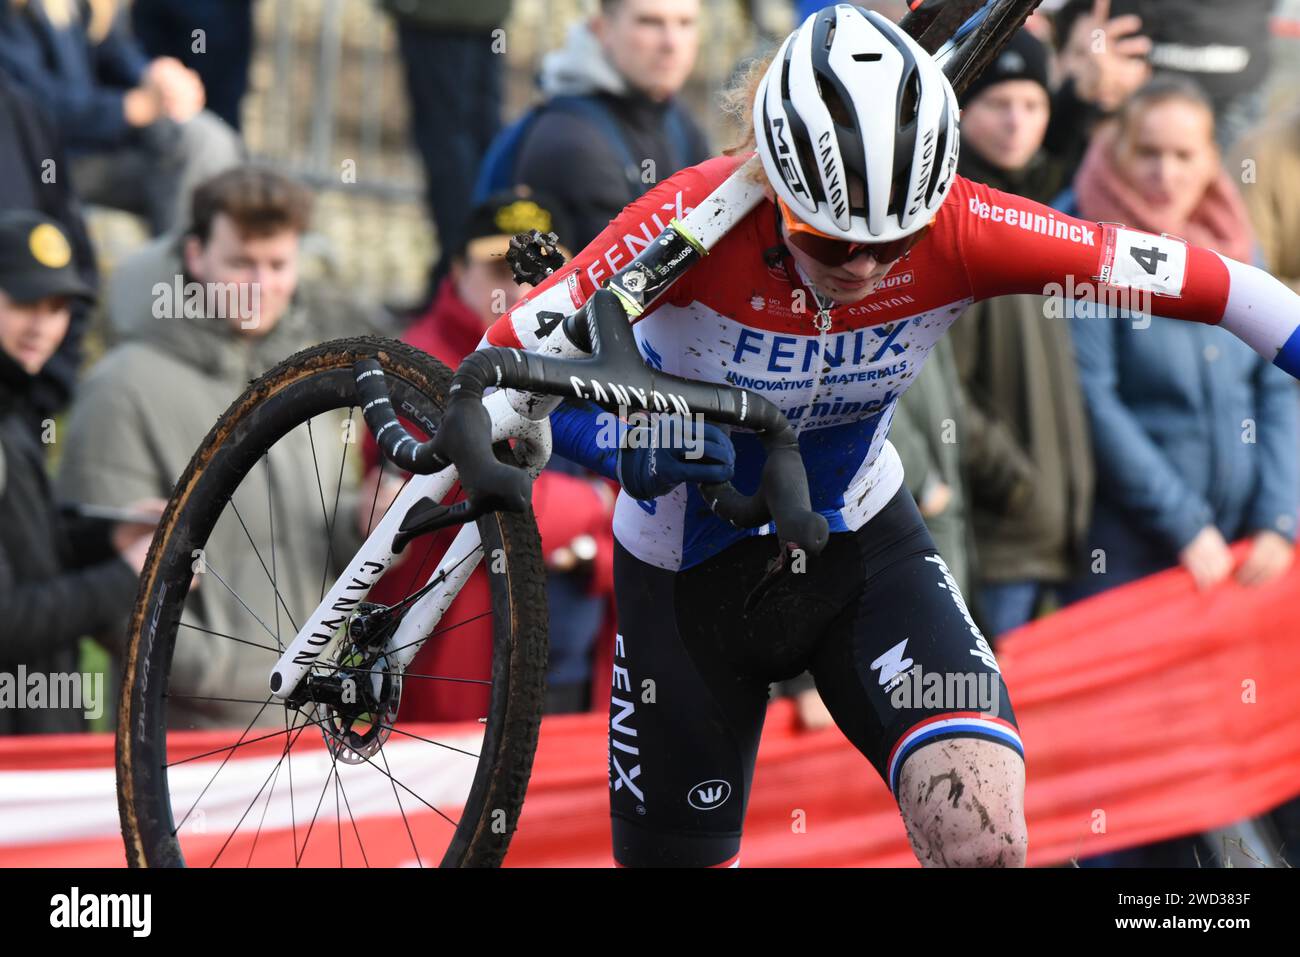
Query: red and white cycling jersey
[[746, 317]]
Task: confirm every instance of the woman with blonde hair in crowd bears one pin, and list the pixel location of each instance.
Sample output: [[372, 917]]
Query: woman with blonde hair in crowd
[[1193, 432]]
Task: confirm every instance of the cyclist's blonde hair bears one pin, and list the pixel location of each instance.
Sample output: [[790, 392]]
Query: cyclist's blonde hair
[[737, 102]]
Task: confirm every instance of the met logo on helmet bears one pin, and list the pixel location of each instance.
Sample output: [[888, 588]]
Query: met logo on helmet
[[783, 157]]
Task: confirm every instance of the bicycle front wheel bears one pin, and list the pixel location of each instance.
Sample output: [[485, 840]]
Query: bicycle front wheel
[[265, 517]]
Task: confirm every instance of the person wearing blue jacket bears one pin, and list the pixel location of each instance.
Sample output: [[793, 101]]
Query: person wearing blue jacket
[[134, 128], [1194, 434]]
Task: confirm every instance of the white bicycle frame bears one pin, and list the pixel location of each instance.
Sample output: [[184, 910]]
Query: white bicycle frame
[[376, 556], [517, 415]]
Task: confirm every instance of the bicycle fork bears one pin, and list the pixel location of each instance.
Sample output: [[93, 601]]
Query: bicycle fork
[[376, 556]]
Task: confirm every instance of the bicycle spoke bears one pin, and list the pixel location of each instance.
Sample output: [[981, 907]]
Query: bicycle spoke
[[279, 602], [204, 697], [389, 775], [338, 492], [270, 518], [223, 763], [360, 846], [267, 628], [433, 540], [407, 674], [338, 818], [402, 810], [265, 807], [334, 772], [222, 634], [320, 489], [434, 582], [441, 631], [397, 730], [383, 465], [288, 748], [230, 747], [293, 808], [311, 825]]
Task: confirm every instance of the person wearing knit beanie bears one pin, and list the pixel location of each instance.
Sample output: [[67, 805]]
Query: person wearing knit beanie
[[1023, 58], [1005, 111]]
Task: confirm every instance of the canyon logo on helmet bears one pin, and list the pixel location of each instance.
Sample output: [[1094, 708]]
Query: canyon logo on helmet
[[851, 100]]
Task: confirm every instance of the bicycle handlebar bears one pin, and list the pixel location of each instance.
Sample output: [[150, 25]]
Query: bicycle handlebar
[[614, 377]]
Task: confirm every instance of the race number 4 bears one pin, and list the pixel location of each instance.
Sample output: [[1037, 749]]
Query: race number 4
[[1139, 260]]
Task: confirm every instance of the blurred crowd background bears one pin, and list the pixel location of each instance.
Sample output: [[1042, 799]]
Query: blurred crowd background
[[363, 161]]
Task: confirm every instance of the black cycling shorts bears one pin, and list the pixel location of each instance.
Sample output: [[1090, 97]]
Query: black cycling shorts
[[873, 618]]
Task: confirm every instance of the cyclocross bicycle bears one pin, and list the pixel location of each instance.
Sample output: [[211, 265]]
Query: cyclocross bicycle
[[321, 768]]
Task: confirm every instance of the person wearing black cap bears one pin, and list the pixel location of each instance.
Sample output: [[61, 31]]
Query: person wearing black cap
[[1030, 475], [30, 145], [60, 577]]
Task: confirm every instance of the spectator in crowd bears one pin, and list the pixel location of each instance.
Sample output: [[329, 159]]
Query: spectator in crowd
[[61, 578], [1266, 162], [1101, 61], [1194, 434], [29, 149], [1167, 404], [132, 298], [135, 128], [629, 62], [573, 511], [1030, 468], [186, 30], [235, 309], [453, 52], [1224, 47]]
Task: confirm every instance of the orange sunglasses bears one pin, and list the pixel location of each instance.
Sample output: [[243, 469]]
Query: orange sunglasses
[[830, 251]]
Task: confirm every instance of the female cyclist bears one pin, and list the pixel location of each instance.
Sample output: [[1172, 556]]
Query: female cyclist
[[826, 299]]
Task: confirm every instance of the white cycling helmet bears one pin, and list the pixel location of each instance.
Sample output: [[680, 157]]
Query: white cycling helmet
[[850, 93]]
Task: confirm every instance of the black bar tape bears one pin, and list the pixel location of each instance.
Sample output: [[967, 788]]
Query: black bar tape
[[397, 444]]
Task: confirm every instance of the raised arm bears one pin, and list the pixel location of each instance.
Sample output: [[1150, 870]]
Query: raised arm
[[1009, 244], [576, 425]]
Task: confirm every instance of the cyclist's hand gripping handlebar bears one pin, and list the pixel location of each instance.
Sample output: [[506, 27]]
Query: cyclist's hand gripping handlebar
[[464, 437], [614, 377]]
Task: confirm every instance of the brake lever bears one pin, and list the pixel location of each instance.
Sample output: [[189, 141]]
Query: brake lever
[[427, 516]]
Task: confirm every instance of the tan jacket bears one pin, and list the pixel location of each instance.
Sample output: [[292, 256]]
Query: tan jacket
[[139, 417], [1267, 163]]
